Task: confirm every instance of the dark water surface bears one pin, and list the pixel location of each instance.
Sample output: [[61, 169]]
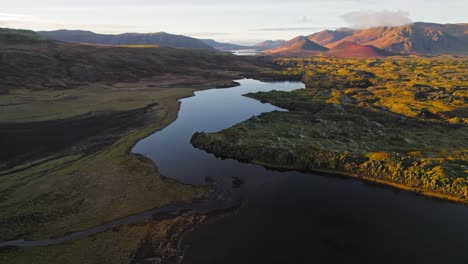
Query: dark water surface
[[293, 217]]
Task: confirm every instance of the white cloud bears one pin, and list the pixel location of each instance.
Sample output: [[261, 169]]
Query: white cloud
[[367, 19], [15, 20], [22, 21]]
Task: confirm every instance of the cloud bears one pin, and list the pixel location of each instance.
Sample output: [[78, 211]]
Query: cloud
[[7, 19], [368, 19], [35, 23], [10, 17]]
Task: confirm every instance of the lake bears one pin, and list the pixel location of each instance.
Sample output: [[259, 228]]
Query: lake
[[295, 217], [245, 52]]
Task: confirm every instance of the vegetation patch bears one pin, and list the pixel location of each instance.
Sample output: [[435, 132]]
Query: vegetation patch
[[89, 177], [143, 243], [374, 122]]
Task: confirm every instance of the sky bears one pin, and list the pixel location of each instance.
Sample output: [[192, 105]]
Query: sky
[[239, 21]]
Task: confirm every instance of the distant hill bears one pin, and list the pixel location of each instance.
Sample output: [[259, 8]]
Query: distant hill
[[348, 49], [329, 36], [224, 46], [299, 46], [269, 44], [161, 39], [417, 38], [29, 60], [8, 35]]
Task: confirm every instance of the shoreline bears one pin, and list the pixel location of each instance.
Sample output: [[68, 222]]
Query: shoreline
[[166, 117], [379, 182], [157, 117]]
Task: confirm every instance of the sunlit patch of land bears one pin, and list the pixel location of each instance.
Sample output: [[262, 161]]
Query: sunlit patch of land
[[402, 121]]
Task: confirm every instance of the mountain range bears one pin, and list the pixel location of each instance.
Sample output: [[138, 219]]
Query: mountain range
[[29, 60], [302, 46], [160, 39], [224, 46], [269, 44], [417, 38]]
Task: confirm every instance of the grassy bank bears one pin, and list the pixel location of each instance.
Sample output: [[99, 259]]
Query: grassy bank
[[78, 190], [86, 184], [154, 240], [70, 115]]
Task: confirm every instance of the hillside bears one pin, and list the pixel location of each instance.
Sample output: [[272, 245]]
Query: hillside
[[417, 38], [348, 49], [269, 44], [34, 62], [160, 38], [299, 46], [15, 36], [224, 46], [329, 36]]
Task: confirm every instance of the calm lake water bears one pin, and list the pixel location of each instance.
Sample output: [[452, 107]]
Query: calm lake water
[[294, 217], [246, 52]]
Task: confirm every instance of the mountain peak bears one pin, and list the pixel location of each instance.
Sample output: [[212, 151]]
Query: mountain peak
[[329, 36], [302, 42], [269, 44], [299, 45]]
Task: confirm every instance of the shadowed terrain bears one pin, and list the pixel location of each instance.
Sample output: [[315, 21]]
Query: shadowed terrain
[[70, 115], [159, 38]]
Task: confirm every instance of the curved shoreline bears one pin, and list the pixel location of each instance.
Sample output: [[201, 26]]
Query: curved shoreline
[[371, 180], [168, 117], [379, 182]]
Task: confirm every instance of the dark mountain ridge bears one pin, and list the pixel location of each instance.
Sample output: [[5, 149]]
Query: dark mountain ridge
[[224, 46], [159, 38]]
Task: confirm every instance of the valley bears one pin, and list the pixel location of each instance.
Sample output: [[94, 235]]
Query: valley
[[350, 144], [70, 115]]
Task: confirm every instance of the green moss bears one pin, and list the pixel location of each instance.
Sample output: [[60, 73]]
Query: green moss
[[386, 130]]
